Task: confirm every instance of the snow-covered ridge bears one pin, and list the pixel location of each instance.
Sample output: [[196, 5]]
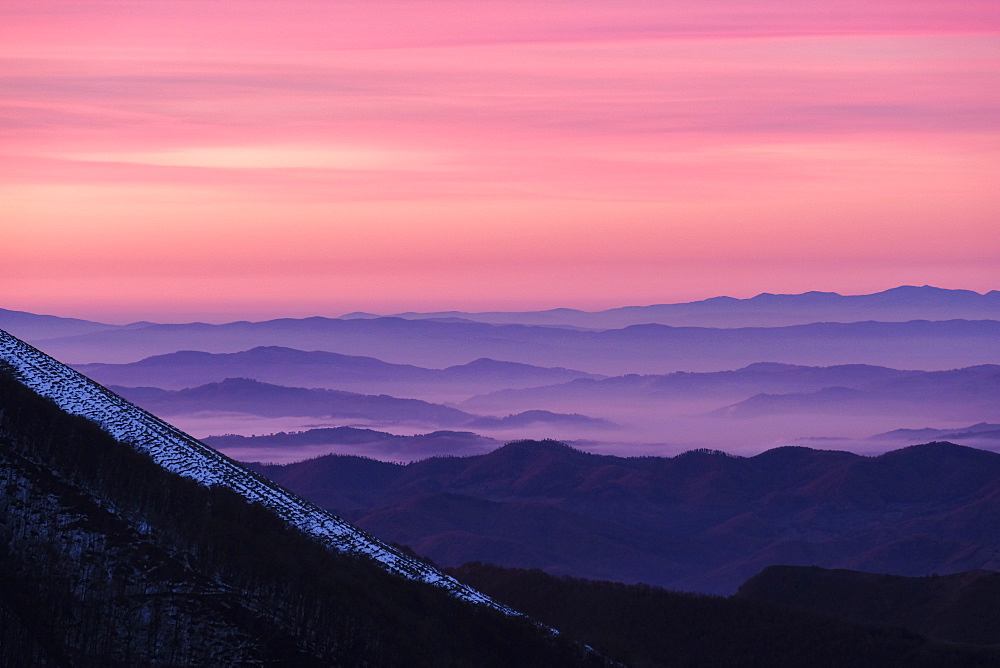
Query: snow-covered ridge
[[177, 452]]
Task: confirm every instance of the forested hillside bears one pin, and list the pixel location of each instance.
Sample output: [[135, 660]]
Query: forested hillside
[[107, 559]]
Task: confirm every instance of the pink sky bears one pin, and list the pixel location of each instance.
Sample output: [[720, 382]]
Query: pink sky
[[248, 159]]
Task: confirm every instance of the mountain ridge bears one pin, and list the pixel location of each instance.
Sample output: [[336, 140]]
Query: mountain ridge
[[910, 302], [702, 521]]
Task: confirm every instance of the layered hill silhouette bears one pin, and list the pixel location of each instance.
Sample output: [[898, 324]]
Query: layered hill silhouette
[[760, 377], [766, 389], [287, 366], [125, 542], [959, 393], [294, 446], [898, 304], [648, 348], [243, 395], [703, 521]]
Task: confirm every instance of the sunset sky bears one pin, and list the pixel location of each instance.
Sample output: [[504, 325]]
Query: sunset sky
[[219, 160]]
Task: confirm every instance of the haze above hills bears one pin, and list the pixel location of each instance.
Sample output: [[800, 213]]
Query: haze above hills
[[668, 388]]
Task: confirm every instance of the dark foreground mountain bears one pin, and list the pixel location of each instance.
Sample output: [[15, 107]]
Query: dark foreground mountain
[[649, 626], [126, 543], [702, 521], [961, 608]]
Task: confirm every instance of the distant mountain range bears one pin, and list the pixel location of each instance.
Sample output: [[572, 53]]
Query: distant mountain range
[[915, 328], [765, 310], [639, 348], [702, 521]]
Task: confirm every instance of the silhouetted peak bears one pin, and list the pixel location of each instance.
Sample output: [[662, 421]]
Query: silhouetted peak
[[530, 449], [239, 382], [785, 451], [925, 294], [490, 363], [272, 350], [940, 451], [798, 454], [813, 296], [181, 356], [706, 453], [772, 366]]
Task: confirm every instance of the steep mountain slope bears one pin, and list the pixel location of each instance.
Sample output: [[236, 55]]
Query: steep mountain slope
[[178, 453], [702, 521], [108, 559]]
